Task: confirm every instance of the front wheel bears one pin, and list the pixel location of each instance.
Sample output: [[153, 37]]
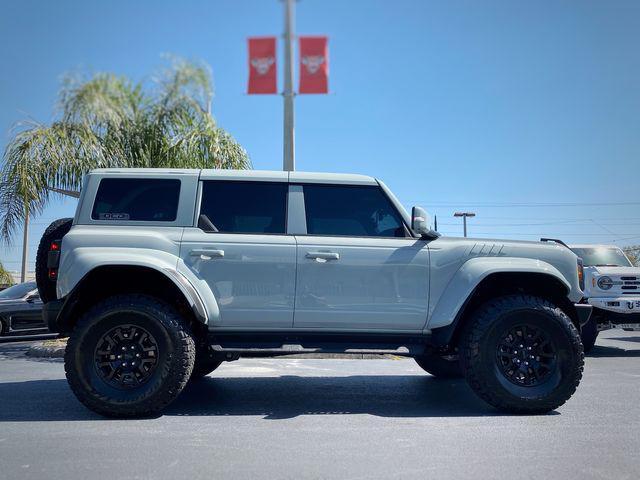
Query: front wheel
[[522, 354], [129, 356]]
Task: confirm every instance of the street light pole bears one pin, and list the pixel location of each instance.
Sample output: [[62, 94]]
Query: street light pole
[[289, 157], [25, 246], [464, 216]]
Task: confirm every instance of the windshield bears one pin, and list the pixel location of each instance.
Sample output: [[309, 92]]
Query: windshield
[[17, 291], [602, 257]]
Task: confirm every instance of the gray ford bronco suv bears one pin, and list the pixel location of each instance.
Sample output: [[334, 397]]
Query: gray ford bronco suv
[[162, 275]]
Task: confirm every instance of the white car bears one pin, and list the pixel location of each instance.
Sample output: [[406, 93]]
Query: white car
[[164, 274], [612, 286]]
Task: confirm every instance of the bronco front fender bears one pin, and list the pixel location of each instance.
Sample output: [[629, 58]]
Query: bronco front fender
[[444, 309]]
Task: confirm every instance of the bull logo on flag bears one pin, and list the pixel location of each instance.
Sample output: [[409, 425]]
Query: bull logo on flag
[[313, 63], [262, 65]]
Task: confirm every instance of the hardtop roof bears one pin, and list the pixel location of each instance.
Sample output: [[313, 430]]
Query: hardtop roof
[[259, 175]]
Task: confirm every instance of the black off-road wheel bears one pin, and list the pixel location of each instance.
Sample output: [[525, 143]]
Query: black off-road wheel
[[522, 354], [440, 366], [589, 334], [47, 287], [206, 362], [129, 356]]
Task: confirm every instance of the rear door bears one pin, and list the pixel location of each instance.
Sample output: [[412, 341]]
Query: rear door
[[241, 250], [358, 266]]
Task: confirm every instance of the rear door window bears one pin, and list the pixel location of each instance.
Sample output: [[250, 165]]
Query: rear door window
[[243, 207], [137, 199]]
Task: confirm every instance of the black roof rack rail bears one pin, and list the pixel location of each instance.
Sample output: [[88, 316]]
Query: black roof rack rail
[[555, 240]]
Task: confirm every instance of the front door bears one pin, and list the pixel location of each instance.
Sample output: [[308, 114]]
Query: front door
[[241, 251], [358, 266]]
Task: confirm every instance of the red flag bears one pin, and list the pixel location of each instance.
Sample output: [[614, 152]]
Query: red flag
[[262, 65], [314, 65]]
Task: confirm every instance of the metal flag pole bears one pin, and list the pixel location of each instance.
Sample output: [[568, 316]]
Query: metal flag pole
[[289, 155]]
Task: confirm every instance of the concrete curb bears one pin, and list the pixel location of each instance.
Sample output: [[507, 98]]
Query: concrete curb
[[42, 350], [342, 356]]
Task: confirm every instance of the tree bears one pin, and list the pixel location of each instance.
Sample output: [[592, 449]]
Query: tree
[[633, 252], [109, 121], [5, 277]]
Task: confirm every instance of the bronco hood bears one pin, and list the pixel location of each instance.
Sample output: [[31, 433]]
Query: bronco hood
[[617, 271]]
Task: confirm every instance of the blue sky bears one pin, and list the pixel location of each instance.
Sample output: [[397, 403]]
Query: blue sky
[[527, 113]]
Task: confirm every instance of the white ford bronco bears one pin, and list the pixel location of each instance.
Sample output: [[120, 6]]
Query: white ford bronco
[[164, 274], [612, 286]]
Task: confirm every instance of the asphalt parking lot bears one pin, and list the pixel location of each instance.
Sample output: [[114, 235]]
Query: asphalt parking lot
[[303, 418]]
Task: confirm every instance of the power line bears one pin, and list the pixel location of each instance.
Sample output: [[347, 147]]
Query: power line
[[593, 234], [528, 204]]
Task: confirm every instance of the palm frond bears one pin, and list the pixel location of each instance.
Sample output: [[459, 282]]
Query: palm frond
[[633, 252], [110, 121], [5, 277]]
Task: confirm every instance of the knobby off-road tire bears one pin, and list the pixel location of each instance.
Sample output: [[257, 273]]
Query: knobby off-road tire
[[488, 357], [589, 334], [146, 330], [47, 287], [440, 366], [205, 362]]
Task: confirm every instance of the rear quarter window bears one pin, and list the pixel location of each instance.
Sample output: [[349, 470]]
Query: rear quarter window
[[137, 199]]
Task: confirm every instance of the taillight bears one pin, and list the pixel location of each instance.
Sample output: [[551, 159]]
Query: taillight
[[581, 274], [53, 260]]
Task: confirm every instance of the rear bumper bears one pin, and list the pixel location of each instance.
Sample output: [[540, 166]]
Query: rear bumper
[[51, 312], [583, 311]]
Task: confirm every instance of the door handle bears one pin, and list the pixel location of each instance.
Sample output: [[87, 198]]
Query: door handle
[[319, 256], [206, 254]]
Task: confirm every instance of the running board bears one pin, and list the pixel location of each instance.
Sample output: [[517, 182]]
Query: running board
[[294, 349]]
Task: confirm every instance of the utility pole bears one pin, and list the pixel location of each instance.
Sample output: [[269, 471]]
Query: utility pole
[[464, 216], [289, 156], [25, 246]]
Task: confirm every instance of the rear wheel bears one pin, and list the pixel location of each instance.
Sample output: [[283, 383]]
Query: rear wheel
[[589, 334], [441, 366], [522, 354], [129, 356]]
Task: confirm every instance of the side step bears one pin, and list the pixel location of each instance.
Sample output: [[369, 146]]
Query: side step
[[269, 349]]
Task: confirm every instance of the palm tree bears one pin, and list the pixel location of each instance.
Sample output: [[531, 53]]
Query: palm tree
[[5, 277], [633, 252], [109, 121]]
